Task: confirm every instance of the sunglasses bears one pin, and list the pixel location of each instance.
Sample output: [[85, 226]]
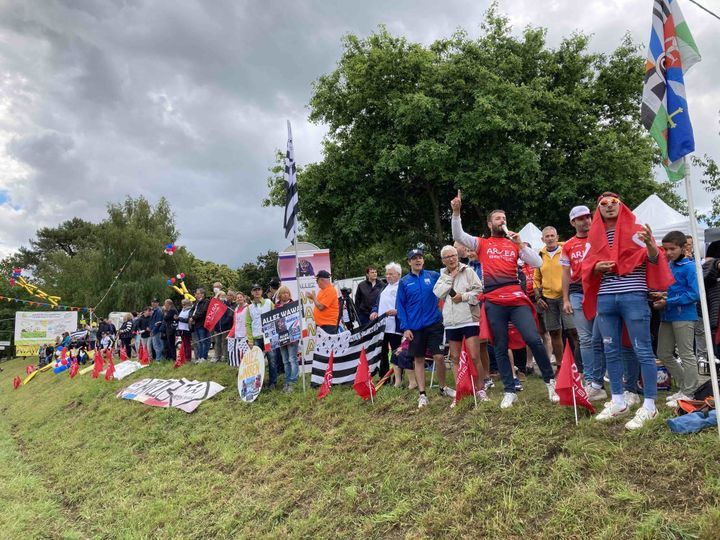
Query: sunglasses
[[609, 201]]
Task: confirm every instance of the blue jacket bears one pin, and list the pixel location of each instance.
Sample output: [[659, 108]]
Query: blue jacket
[[156, 316], [683, 295], [416, 304]]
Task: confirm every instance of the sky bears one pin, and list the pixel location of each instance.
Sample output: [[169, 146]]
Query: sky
[[188, 99]]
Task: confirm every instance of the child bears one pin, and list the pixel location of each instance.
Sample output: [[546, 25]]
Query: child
[[106, 341], [679, 313], [402, 361]]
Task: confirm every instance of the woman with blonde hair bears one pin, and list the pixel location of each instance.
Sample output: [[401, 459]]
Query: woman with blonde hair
[[288, 352]]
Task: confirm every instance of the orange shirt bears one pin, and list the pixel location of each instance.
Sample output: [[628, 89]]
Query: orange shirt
[[329, 316]]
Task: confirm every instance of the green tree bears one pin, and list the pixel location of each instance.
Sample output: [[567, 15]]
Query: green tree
[[513, 123], [260, 272]]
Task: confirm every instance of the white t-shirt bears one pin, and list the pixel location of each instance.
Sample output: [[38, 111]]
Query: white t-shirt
[[386, 303]]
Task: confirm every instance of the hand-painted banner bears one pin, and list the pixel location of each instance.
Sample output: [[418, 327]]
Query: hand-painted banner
[[281, 326], [182, 394]]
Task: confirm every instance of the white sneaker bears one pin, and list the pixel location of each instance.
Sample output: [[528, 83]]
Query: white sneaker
[[422, 401], [673, 397], [508, 399], [447, 392], [641, 416], [629, 397], [674, 402], [612, 411], [481, 395], [595, 394], [552, 394]]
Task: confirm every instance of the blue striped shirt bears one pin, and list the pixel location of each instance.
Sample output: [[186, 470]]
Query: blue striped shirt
[[612, 283]]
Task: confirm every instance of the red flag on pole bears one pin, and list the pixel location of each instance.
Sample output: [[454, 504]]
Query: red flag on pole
[[123, 353], [143, 355], [97, 368], [74, 368], [327, 380], [215, 311], [466, 375], [110, 371], [363, 381], [181, 357], [568, 384], [17, 381]]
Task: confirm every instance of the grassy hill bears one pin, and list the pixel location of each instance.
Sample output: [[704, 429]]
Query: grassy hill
[[75, 462]]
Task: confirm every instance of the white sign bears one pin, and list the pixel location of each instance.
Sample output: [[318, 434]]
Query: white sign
[[5, 343], [38, 327]]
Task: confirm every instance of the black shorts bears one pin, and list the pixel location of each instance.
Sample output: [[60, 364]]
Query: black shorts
[[427, 341], [457, 334]]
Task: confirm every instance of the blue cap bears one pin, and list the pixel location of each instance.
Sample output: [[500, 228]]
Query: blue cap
[[415, 252]]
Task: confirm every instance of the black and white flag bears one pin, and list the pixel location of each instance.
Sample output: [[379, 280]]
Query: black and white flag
[[347, 347], [291, 190]]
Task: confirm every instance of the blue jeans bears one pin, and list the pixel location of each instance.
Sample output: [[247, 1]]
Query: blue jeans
[[633, 310], [631, 366], [522, 318], [157, 346], [591, 369], [202, 336], [289, 358]]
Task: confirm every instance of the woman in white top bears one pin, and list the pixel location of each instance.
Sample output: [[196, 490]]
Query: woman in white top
[[386, 306], [183, 328], [237, 337]]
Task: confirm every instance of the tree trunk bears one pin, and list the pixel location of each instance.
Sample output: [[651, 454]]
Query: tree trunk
[[436, 212]]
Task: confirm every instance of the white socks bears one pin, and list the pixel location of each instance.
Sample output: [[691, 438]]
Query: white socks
[[649, 404]]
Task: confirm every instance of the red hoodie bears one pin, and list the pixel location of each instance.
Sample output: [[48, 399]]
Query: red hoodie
[[628, 252]]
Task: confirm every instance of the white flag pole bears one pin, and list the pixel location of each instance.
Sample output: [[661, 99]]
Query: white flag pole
[[472, 381], [372, 399], [701, 284], [574, 402]]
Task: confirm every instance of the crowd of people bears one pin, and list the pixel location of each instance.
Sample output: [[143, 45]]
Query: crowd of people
[[610, 293]]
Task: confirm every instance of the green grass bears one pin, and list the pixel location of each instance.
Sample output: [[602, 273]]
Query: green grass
[[75, 462]]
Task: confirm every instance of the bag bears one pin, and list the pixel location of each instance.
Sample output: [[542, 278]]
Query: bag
[[703, 391], [695, 405]]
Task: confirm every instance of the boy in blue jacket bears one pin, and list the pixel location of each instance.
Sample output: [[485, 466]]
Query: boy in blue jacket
[[679, 313]]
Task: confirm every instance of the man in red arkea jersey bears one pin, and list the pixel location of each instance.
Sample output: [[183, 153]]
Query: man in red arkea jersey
[[505, 301]]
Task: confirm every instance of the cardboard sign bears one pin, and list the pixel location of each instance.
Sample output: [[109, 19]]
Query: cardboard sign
[[281, 326], [251, 374]]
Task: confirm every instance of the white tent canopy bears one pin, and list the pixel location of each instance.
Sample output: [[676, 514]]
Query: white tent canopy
[[531, 234], [662, 218]]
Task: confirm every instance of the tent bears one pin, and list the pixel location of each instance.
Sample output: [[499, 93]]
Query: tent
[[662, 218], [531, 234]]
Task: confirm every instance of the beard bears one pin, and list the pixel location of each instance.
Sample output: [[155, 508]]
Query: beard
[[497, 230]]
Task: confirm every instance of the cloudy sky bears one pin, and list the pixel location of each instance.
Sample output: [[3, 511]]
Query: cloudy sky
[[188, 99]]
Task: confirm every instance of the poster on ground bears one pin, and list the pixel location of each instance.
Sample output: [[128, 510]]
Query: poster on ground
[[281, 326], [309, 264], [35, 328], [181, 394], [251, 375]]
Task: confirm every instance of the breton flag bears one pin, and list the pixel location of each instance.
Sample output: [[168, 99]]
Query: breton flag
[[672, 51], [291, 190]]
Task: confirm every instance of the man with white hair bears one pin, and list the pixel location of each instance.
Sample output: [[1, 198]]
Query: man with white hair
[[547, 286]]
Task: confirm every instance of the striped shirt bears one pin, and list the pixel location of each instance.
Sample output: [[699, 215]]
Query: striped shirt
[[612, 283]]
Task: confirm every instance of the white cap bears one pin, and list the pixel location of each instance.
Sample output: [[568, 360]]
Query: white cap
[[579, 211]]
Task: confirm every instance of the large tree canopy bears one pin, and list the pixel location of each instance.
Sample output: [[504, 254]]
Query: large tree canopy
[[513, 123]]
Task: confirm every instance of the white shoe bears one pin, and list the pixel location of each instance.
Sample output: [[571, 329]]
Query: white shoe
[[629, 397], [552, 394], [612, 411], [422, 401], [595, 394], [641, 416], [508, 399], [447, 392], [481, 395], [673, 397], [674, 402]]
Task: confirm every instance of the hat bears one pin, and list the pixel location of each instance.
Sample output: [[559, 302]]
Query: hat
[[578, 211], [415, 252], [323, 274], [275, 283], [155, 300], [256, 286]]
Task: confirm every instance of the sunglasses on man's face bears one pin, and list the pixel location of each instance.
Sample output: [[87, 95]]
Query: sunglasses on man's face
[[609, 201]]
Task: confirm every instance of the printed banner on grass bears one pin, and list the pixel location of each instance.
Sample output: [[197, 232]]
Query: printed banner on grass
[[347, 347], [281, 326], [181, 394]]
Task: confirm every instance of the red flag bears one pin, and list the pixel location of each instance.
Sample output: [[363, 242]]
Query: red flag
[[143, 355], [29, 369], [568, 381], [215, 311], [327, 380], [63, 355], [110, 371], [123, 353], [181, 357], [97, 368], [108, 355], [363, 381], [17, 381], [466, 374], [74, 368]]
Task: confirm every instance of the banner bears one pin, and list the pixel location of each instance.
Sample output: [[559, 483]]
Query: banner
[[123, 369], [281, 326], [347, 347], [35, 328], [309, 263], [181, 394], [251, 375], [216, 310]]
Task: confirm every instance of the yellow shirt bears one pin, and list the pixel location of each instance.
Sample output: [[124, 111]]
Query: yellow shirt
[[549, 276]]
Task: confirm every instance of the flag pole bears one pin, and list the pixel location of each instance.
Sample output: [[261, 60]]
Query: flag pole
[[701, 284], [472, 382], [301, 305], [370, 388], [574, 403]]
